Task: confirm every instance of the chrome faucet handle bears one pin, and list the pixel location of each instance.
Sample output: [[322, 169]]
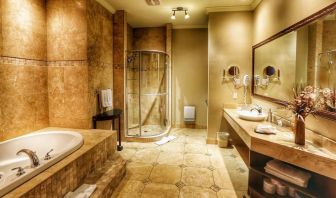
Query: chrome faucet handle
[[20, 171], [47, 156]]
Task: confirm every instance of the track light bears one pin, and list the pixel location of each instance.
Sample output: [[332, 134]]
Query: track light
[[173, 17], [186, 15], [180, 9]]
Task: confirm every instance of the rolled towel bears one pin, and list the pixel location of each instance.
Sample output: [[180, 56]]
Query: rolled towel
[[288, 171]]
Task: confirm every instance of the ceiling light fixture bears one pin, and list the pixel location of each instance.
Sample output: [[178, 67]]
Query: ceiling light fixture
[[180, 9], [186, 15], [173, 17]]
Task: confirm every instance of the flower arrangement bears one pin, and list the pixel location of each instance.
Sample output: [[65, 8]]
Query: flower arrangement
[[305, 102], [328, 99], [309, 101]]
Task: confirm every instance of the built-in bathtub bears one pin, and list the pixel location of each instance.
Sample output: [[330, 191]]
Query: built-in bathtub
[[63, 143]]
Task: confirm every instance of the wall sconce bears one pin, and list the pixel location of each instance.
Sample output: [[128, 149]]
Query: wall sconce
[[180, 9], [269, 75], [234, 75]]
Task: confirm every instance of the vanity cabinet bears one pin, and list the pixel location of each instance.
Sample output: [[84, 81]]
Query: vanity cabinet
[[257, 149]]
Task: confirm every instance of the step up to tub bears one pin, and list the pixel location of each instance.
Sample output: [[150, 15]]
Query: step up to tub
[[108, 177]]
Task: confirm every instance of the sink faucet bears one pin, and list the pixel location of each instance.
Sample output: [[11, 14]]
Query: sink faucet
[[32, 156], [257, 108]]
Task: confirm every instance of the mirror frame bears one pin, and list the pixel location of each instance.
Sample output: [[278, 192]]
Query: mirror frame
[[325, 11]]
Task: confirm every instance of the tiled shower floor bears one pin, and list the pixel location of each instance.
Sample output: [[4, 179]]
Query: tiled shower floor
[[185, 167], [146, 130]]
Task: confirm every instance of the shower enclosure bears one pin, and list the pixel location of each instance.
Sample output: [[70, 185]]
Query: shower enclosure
[[147, 93]]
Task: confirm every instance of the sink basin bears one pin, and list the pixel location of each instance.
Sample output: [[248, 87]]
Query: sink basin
[[251, 115]]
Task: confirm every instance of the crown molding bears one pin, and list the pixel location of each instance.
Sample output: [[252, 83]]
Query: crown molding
[[190, 26], [107, 5], [228, 8], [250, 7], [255, 4]]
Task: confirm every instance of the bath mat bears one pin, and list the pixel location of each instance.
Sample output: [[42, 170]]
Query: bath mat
[[165, 140]]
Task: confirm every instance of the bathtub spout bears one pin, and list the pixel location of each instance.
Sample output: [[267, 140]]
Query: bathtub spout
[[32, 156]]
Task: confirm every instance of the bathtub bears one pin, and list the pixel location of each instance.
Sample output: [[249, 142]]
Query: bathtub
[[63, 143]]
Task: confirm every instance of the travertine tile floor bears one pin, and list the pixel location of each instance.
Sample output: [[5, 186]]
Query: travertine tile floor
[[185, 167]]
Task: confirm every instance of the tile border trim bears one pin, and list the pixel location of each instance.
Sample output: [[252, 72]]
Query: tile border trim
[[33, 62]]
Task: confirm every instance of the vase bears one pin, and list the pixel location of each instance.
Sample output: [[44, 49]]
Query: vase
[[300, 131]]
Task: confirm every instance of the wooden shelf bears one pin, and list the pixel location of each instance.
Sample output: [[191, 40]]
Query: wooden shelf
[[305, 191]]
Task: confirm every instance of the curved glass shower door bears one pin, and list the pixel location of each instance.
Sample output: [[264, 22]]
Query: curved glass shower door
[[147, 88]]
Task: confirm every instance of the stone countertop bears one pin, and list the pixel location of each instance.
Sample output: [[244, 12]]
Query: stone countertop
[[281, 146]]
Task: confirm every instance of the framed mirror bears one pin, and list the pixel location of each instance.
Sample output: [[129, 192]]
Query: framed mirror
[[302, 54]]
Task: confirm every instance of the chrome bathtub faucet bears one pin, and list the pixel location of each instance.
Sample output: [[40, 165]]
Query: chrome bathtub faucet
[[35, 162]]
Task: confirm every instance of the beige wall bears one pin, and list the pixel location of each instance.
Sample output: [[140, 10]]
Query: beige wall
[[189, 74], [272, 16], [230, 42]]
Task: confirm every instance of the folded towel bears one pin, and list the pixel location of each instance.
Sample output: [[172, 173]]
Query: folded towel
[[265, 129], [285, 178], [288, 171], [84, 191]]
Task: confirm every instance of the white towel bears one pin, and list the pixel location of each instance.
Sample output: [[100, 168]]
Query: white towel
[[265, 129], [165, 140], [106, 98], [84, 191]]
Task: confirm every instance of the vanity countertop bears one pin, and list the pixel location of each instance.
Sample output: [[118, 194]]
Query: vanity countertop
[[281, 146]]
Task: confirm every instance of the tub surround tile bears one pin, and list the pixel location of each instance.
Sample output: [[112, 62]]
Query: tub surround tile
[[108, 177], [66, 30], [24, 35], [23, 99], [69, 173]]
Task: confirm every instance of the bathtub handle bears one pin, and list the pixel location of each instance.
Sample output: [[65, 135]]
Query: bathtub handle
[[20, 171], [47, 156]]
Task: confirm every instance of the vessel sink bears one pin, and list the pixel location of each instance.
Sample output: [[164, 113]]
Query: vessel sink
[[251, 115]]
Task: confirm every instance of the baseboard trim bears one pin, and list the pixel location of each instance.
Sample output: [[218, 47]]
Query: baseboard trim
[[211, 141], [190, 126]]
